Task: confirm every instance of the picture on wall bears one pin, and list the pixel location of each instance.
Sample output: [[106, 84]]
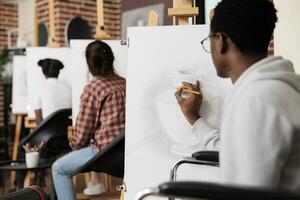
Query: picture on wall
[[139, 17]]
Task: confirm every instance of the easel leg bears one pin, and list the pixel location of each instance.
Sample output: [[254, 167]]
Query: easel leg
[[28, 177], [74, 179], [87, 178], [122, 196], [16, 145], [183, 20], [104, 179]]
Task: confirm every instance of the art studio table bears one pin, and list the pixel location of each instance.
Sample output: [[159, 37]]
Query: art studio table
[[19, 166]]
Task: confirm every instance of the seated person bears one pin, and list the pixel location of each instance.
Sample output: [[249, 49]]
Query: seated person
[[259, 138], [101, 118], [54, 94]]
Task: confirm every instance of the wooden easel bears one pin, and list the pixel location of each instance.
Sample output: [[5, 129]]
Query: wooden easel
[[182, 10], [19, 120], [52, 42], [100, 30], [153, 18], [30, 123]]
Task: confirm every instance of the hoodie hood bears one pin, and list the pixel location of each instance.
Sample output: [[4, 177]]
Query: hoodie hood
[[271, 68]]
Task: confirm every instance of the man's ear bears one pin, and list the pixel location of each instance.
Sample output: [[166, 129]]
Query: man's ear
[[223, 43]]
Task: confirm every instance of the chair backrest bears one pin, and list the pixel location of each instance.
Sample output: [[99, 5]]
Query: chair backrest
[[109, 160], [30, 193], [53, 132]]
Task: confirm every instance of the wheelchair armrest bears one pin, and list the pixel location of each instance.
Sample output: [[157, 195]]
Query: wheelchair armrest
[[199, 190], [212, 156]]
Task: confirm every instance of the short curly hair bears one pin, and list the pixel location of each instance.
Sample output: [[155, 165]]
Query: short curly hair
[[100, 58], [248, 23]]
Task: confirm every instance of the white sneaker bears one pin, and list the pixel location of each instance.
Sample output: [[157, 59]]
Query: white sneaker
[[94, 189]]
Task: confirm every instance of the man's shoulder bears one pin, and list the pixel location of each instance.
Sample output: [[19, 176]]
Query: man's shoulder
[[273, 94], [267, 89]]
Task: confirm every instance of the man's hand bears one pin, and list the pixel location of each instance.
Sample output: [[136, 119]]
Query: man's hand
[[191, 104]]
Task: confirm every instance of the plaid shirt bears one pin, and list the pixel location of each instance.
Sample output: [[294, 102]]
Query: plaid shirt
[[102, 113]]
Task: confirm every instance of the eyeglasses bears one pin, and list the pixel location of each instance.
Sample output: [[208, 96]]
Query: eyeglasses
[[206, 43]]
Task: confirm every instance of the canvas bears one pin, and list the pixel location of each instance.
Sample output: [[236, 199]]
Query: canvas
[[157, 134]]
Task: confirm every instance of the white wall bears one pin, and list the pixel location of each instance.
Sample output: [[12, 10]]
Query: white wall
[[26, 20], [209, 5], [287, 32]]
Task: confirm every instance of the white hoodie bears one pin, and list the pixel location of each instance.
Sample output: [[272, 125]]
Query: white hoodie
[[259, 139]]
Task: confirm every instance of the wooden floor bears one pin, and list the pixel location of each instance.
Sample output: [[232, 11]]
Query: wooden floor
[[105, 196]]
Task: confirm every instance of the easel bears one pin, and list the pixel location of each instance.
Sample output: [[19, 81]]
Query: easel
[[52, 42], [182, 10], [100, 30], [19, 121], [100, 34], [153, 18], [31, 122]]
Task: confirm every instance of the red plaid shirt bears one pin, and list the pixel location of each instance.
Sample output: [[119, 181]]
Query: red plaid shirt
[[102, 113]]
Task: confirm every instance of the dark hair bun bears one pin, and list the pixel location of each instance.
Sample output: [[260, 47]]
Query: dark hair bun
[[50, 67], [40, 63], [99, 58]]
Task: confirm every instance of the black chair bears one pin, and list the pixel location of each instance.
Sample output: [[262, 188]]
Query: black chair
[[53, 132], [199, 190], [213, 191], [30, 193], [210, 158], [109, 160]]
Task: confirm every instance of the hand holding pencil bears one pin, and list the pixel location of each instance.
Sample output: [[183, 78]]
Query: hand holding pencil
[[187, 90], [190, 88], [190, 105]]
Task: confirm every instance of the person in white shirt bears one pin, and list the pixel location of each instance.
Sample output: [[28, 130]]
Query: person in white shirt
[[55, 94], [259, 137]]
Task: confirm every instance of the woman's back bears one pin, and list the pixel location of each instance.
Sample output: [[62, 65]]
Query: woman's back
[[55, 95]]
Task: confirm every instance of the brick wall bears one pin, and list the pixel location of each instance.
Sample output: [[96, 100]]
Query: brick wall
[[271, 47], [8, 20], [66, 10]]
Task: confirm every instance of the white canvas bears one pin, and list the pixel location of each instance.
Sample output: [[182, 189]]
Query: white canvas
[[80, 73], [155, 55], [35, 77], [19, 90]]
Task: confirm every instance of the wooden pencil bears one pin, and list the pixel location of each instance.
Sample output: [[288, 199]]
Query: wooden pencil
[[190, 91]]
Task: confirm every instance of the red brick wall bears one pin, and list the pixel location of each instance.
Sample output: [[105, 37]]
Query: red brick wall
[[271, 45], [66, 10], [271, 48], [8, 20]]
